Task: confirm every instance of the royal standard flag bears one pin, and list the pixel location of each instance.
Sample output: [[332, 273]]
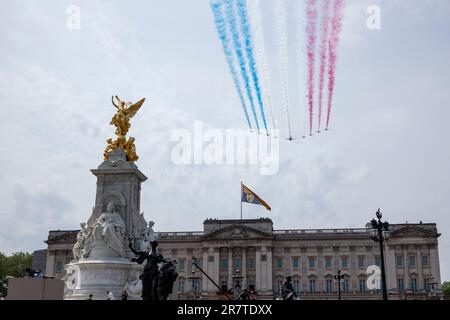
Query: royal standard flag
[[251, 197]]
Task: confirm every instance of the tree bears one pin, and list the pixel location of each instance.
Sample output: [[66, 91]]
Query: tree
[[13, 266], [446, 288]]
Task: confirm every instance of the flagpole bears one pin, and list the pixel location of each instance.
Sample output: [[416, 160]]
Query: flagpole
[[241, 200]]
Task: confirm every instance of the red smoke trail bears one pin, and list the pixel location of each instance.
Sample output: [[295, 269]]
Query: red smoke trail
[[311, 10], [336, 26], [323, 54]]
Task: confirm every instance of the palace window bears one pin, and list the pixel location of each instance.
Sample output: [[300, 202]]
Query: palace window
[[345, 286], [412, 261], [312, 262], [237, 263], [328, 261], [197, 286], [400, 284], [328, 285], [399, 261], [251, 263], [296, 284], [362, 285], [414, 285], [426, 285], [224, 263], [361, 262], [312, 286], [377, 260], [344, 262], [279, 262], [181, 264], [424, 261], [295, 262], [181, 286]]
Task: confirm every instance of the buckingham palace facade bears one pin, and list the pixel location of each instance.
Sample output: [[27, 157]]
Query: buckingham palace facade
[[251, 254]]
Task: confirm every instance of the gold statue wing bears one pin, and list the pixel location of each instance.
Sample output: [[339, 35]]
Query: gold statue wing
[[135, 107], [115, 101]]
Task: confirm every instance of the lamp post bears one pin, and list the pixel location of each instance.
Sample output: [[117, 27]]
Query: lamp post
[[237, 277], [338, 278], [380, 234], [193, 278]]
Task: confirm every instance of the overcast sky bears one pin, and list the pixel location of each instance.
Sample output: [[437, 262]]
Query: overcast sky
[[388, 147]]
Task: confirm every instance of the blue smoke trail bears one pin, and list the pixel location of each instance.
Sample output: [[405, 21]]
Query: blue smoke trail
[[231, 18], [245, 27], [219, 20]]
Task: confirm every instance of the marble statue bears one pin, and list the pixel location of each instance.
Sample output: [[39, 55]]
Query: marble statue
[[83, 245], [109, 228], [149, 237]]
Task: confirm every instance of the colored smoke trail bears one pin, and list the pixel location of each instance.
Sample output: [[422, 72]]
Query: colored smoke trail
[[219, 21], [231, 18], [336, 26], [245, 28], [254, 11], [300, 19], [323, 55], [281, 41], [311, 11]]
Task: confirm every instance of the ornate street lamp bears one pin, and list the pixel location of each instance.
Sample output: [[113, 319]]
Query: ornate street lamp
[[237, 277], [380, 233], [338, 278], [194, 279]]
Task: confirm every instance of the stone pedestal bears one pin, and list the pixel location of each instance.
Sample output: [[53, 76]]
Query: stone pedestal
[[97, 277], [102, 257]]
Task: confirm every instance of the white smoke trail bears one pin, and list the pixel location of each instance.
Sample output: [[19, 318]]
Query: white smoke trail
[[282, 54], [254, 11], [300, 18]]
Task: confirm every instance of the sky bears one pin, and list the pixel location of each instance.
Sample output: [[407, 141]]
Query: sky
[[387, 147]]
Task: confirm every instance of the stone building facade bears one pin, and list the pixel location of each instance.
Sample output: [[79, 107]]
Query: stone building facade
[[251, 254]]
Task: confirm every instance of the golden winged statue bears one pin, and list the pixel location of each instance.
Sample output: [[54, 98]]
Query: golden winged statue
[[125, 111], [121, 120]]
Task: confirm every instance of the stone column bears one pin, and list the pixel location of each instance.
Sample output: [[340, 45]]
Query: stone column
[[390, 267], [420, 283], [244, 267], [205, 268], [230, 268], [406, 268], [434, 263], [216, 267], [258, 268], [210, 269], [269, 269]]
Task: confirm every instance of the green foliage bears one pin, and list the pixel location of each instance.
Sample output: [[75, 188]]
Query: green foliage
[[14, 266], [446, 287]]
